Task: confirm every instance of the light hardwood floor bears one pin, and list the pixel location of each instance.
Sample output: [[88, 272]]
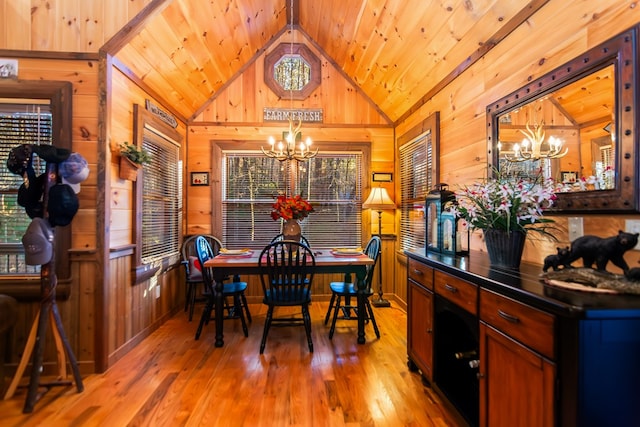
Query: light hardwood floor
[[171, 379]]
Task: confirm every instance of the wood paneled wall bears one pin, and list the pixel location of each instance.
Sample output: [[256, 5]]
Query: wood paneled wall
[[78, 310], [556, 34], [62, 25]]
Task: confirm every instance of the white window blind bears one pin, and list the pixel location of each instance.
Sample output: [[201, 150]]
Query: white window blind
[[161, 199], [416, 163], [19, 124], [331, 182]]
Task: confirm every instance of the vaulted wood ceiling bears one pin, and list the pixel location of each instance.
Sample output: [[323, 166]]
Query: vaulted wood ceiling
[[395, 51]]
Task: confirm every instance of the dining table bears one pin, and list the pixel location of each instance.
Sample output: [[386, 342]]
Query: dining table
[[233, 263]]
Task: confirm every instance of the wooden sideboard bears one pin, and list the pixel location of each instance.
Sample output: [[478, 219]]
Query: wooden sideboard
[[506, 349]]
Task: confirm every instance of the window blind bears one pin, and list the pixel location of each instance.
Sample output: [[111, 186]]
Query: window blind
[[331, 182], [161, 199], [19, 124], [416, 163]]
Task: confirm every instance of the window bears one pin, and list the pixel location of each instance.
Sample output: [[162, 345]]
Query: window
[[331, 181], [34, 111], [20, 123], [161, 199], [292, 71], [158, 192], [418, 174]]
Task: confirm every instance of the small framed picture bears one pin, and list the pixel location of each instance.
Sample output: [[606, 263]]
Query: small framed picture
[[199, 178], [569, 177], [382, 177]]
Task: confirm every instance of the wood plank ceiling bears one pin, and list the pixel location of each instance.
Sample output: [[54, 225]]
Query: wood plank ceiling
[[395, 51]]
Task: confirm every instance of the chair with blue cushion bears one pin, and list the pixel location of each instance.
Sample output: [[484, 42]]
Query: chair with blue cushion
[[287, 273], [343, 293], [233, 290], [193, 271]]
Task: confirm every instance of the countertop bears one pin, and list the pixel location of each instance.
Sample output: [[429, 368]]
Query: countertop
[[526, 286]]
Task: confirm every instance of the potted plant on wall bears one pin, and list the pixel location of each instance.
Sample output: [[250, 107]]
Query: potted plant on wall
[[131, 159]]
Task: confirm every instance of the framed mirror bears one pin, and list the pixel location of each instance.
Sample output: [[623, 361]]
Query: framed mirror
[[577, 125]]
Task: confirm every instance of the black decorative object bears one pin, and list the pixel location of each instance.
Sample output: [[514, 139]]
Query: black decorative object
[[558, 259], [435, 204], [601, 250]]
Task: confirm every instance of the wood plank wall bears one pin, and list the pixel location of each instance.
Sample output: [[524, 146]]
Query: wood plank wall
[[236, 115], [556, 34], [63, 25]]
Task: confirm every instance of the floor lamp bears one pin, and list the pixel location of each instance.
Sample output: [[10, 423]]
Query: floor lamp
[[379, 200]]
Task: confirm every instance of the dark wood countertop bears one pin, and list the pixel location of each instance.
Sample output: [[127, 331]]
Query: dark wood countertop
[[526, 286]]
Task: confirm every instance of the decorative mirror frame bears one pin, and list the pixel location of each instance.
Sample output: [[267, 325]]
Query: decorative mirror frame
[[620, 51]]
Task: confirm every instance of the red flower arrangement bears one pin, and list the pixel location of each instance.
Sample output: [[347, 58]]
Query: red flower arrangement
[[294, 207]]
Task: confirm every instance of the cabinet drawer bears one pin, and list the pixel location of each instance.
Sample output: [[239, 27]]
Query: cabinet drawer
[[458, 291], [420, 273], [530, 326]]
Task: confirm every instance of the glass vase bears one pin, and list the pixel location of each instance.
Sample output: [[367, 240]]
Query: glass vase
[[291, 230]]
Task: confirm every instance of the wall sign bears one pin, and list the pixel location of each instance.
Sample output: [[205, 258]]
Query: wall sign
[[306, 115], [162, 115]]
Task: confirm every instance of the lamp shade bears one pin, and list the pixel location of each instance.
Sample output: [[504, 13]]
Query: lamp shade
[[379, 200]]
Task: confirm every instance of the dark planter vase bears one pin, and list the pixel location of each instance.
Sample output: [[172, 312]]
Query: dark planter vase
[[505, 248]]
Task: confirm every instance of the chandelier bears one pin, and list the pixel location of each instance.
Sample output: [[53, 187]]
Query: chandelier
[[291, 146], [534, 146]]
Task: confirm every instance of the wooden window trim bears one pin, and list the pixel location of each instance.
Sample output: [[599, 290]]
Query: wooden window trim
[[142, 118], [59, 94]]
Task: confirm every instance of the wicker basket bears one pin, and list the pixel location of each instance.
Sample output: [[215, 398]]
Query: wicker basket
[[128, 169]]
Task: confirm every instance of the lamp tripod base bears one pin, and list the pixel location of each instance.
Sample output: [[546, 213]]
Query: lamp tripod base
[[380, 302]]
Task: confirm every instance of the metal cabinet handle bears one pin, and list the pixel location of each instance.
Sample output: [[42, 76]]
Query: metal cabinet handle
[[429, 330], [450, 288], [508, 317], [415, 271]]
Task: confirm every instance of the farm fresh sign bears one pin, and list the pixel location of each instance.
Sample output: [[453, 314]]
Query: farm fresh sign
[[306, 115]]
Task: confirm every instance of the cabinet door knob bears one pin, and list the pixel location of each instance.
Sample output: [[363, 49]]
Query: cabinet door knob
[[508, 317], [415, 271], [429, 330]]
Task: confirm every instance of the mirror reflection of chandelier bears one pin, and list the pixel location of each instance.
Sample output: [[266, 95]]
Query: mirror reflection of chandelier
[[291, 146], [534, 146]]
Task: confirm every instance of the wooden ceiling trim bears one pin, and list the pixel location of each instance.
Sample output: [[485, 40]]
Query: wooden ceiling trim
[[236, 75], [193, 74], [341, 32], [164, 70], [492, 41], [341, 71], [120, 66], [133, 27]]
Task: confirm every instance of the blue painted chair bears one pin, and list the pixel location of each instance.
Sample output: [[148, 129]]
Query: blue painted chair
[[347, 292]]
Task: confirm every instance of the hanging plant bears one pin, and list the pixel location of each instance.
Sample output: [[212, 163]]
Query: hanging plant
[[131, 159], [137, 155]]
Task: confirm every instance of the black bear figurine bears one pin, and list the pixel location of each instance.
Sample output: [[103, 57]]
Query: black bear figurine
[[556, 260], [601, 250]]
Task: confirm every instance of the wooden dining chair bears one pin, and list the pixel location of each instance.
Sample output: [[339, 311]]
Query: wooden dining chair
[[344, 293], [234, 290], [280, 237], [193, 271], [287, 273]]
